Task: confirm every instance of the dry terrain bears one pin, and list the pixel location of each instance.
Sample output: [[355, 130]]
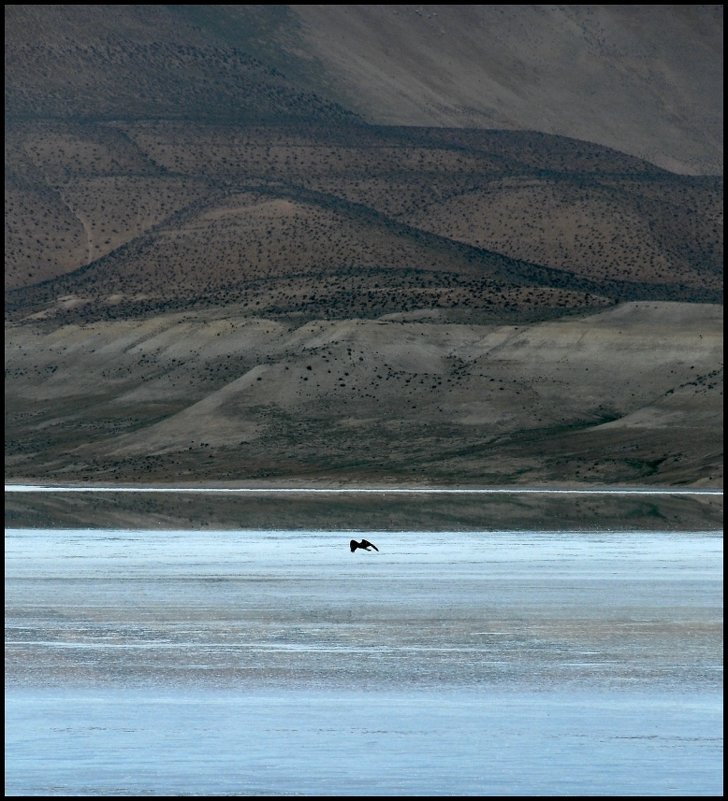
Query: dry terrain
[[629, 395], [643, 79], [232, 254], [346, 221]]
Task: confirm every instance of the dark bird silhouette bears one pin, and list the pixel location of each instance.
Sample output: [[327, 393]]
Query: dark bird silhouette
[[365, 544]]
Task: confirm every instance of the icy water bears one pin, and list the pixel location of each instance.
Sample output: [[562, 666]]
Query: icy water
[[280, 663]]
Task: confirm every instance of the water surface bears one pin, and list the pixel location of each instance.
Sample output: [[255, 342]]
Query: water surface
[[277, 662]]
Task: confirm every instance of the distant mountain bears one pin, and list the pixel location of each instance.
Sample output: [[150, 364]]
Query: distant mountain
[[364, 243], [643, 79]]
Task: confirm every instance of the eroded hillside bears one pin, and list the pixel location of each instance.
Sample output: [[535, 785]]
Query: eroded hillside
[[221, 266], [219, 395]]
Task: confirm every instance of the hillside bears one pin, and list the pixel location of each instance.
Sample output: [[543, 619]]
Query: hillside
[[230, 258], [219, 395], [643, 79], [347, 221]]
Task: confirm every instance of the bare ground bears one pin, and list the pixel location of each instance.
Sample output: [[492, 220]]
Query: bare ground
[[631, 395]]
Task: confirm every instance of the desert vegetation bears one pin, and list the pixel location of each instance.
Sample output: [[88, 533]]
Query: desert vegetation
[[214, 269], [348, 221], [219, 394]]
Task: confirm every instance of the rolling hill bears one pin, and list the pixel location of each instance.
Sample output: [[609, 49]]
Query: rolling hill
[[233, 254]]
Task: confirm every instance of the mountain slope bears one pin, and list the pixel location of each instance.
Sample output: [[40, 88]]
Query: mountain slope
[[348, 221], [643, 79], [217, 395], [222, 264]]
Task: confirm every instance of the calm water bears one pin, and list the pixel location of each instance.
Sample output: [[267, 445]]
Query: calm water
[[264, 662]]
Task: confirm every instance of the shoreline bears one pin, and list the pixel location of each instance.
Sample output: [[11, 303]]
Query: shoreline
[[370, 509], [385, 490]]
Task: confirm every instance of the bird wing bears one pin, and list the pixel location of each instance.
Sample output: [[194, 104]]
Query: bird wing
[[368, 544]]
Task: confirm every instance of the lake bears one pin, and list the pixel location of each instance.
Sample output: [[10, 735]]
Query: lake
[[263, 662]]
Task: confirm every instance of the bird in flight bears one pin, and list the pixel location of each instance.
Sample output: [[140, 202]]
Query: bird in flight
[[365, 544]]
